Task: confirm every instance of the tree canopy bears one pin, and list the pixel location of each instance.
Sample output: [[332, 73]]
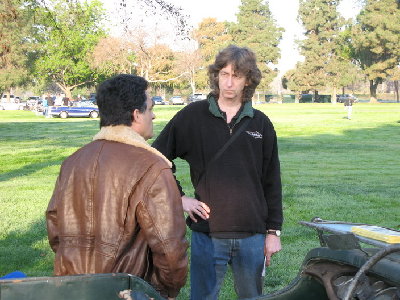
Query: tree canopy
[[376, 40], [13, 45], [68, 32], [256, 29]]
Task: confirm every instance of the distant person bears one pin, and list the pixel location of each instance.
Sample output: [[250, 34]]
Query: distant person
[[231, 148], [65, 101], [116, 206], [348, 105], [50, 100], [50, 103], [59, 100]]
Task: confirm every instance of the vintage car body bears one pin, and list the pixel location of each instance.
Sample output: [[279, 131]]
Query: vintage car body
[[73, 111], [338, 270]]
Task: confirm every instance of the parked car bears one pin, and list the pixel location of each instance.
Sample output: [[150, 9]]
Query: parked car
[[33, 99], [343, 97], [196, 97], [33, 102], [92, 98], [11, 103], [84, 103], [176, 100], [73, 111], [158, 100], [5, 99], [12, 106]]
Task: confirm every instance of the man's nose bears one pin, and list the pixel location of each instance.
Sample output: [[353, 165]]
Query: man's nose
[[229, 80]]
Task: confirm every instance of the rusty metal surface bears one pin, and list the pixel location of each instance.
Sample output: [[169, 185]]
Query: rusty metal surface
[[327, 273]]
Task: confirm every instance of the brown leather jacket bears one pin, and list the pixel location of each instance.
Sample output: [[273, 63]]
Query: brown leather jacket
[[116, 208]]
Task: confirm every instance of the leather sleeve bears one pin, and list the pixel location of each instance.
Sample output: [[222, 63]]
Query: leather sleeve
[[51, 220], [160, 215]]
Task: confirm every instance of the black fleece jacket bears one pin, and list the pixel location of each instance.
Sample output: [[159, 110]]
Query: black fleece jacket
[[243, 186]]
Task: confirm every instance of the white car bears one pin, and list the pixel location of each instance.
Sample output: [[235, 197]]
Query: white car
[[176, 100], [11, 106], [11, 103]]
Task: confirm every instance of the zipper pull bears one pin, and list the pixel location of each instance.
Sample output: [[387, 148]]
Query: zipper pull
[[230, 131]]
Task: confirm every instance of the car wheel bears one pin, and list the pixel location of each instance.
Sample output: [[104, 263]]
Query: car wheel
[[93, 114], [63, 115]]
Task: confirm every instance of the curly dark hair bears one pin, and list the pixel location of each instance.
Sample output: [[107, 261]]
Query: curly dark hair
[[243, 61], [118, 97]]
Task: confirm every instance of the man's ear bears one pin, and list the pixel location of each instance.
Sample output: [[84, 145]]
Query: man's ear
[[135, 116]]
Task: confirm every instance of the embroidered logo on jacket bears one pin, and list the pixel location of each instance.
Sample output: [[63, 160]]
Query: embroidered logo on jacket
[[255, 134]]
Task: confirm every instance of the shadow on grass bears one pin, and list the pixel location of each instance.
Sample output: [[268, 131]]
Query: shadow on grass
[[54, 133], [29, 253], [43, 139], [30, 169]]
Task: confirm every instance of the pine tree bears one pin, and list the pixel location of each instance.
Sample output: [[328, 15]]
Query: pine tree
[[257, 30], [376, 40], [323, 65], [13, 44]]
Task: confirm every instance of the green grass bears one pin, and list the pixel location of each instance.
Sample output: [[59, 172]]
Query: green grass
[[332, 167]]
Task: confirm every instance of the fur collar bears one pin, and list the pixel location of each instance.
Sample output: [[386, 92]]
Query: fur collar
[[126, 135]]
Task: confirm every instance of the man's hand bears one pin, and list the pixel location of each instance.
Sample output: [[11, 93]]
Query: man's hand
[[272, 246], [195, 207]]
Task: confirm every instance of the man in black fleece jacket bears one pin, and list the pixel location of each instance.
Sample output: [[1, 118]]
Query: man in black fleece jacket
[[236, 215]]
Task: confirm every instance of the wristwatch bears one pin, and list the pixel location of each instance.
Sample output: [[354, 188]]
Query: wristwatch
[[274, 232]]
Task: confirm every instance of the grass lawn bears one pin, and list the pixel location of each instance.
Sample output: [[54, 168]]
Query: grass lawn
[[334, 168]]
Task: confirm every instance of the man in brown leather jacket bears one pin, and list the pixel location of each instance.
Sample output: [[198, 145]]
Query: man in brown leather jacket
[[116, 206]]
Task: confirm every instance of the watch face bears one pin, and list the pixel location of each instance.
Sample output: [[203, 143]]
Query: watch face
[[274, 232]]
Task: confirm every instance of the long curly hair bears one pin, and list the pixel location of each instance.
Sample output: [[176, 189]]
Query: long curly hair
[[243, 61], [118, 97]]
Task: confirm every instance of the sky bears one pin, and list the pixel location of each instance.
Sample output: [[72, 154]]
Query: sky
[[284, 12]]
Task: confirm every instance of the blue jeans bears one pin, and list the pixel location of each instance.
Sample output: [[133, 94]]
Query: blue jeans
[[209, 261]]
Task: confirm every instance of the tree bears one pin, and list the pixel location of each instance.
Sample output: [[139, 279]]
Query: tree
[[113, 56], [396, 79], [67, 33], [13, 45], [324, 65], [303, 78], [257, 30], [189, 63], [212, 36], [376, 40]]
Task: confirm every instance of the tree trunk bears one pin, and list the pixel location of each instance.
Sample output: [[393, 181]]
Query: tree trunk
[[296, 98], [333, 95], [316, 96], [193, 84], [373, 85], [396, 88], [68, 92]]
